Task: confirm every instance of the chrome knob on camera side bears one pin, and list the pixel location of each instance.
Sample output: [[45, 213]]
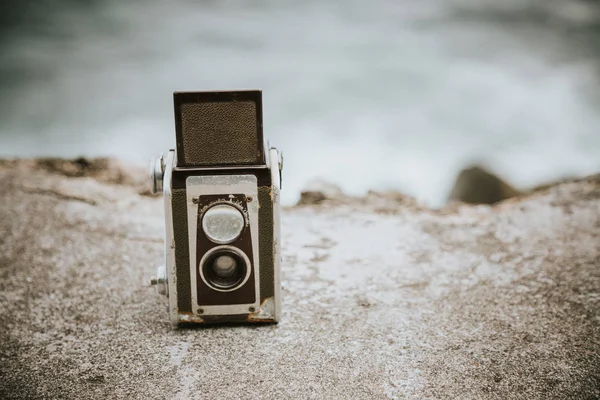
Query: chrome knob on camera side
[[157, 171], [160, 281]]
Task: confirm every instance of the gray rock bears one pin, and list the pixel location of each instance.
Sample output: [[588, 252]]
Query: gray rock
[[318, 191], [476, 185], [466, 302]]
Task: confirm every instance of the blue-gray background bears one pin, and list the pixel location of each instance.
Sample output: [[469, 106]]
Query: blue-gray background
[[369, 94]]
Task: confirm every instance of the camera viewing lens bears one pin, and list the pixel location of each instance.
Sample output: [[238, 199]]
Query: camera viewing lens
[[224, 269], [223, 223]]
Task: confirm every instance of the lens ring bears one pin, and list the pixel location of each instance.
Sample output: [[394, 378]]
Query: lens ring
[[224, 278], [224, 283]]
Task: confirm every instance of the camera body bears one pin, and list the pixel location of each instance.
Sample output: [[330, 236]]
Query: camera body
[[221, 201]]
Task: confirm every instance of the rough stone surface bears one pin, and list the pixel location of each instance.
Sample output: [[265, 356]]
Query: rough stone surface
[[383, 299]]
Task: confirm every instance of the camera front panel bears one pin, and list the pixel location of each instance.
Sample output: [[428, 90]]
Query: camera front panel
[[225, 272], [223, 236]]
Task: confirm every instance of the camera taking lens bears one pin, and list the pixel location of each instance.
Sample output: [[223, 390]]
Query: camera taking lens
[[224, 266], [224, 269]]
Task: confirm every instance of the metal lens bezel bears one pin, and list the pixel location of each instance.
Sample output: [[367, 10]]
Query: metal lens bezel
[[215, 251]]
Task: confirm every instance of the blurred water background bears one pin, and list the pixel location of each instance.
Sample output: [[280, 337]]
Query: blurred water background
[[369, 94]]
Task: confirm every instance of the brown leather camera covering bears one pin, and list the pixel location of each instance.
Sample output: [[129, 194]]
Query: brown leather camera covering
[[219, 128], [207, 296]]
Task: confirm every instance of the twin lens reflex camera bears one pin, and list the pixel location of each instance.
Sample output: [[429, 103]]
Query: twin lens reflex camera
[[221, 200]]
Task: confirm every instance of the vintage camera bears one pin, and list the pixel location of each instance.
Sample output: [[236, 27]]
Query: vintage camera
[[221, 196]]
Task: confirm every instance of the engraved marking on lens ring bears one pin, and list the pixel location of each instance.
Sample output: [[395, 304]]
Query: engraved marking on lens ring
[[212, 258], [223, 223]]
